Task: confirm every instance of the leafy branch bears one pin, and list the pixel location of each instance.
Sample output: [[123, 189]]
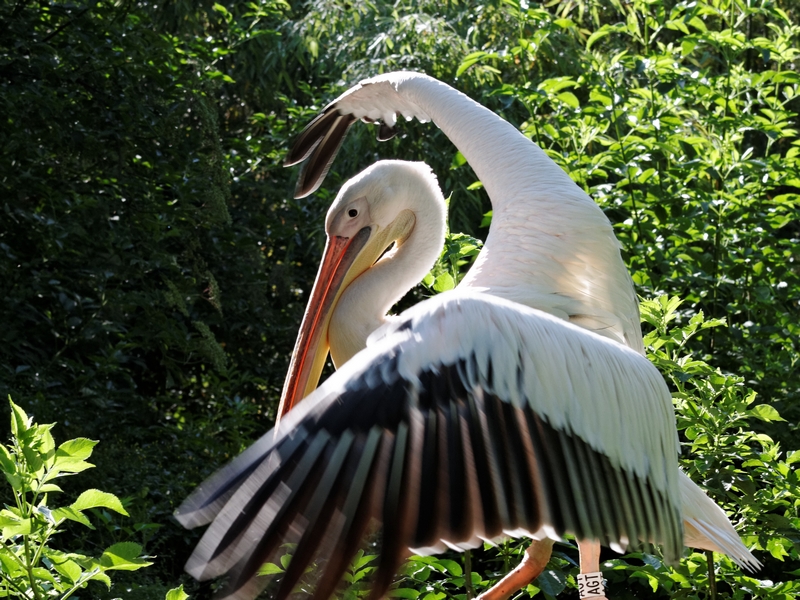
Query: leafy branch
[[30, 567]]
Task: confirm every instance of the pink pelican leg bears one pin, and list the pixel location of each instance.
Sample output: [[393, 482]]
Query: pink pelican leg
[[590, 581], [533, 563], [535, 560]]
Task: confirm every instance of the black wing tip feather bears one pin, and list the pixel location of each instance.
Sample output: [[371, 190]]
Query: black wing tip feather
[[307, 185], [322, 154], [204, 503], [318, 144], [385, 132], [308, 139]]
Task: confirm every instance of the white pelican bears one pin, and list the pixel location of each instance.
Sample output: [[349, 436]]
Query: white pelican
[[473, 415]]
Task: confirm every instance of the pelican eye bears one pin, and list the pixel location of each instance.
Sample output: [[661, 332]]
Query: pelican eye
[[352, 212]]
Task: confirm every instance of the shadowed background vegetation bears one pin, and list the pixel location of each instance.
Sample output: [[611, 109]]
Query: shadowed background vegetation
[[155, 266]]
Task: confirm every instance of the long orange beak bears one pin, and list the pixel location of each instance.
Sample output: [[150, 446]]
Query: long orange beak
[[311, 348]]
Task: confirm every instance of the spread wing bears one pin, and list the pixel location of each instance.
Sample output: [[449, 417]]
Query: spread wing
[[470, 418]]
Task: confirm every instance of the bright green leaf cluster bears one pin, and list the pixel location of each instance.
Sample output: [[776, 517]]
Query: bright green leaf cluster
[[31, 568], [744, 471], [457, 255]]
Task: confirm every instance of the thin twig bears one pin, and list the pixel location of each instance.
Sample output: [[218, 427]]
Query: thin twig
[[712, 581], [468, 574]]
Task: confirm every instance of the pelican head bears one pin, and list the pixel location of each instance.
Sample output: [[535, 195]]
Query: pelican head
[[391, 202]]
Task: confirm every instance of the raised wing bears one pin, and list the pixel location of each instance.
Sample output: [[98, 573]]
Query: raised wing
[[371, 100], [469, 419], [550, 246]]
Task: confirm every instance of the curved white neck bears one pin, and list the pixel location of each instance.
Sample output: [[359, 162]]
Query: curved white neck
[[509, 165], [363, 306], [550, 245]]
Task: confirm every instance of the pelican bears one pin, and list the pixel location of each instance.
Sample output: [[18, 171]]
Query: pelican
[[519, 404]]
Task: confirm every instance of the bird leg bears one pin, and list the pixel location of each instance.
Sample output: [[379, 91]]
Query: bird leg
[[533, 563], [590, 580]]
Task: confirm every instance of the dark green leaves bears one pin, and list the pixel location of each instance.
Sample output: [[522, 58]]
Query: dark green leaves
[[155, 267]]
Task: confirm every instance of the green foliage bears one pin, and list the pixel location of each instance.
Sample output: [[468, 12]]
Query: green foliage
[[177, 594], [31, 568], [155, 266], [436, 578], [457, 255], [744, 471], [147, 298], [681, 121]]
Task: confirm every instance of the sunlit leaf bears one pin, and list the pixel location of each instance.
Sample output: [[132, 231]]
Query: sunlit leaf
[[123, 556], [176, 594], [767, 413], [269, 569], [95, 498]]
